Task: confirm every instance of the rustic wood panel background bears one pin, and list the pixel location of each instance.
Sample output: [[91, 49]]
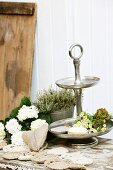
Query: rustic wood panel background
[[17, 31]]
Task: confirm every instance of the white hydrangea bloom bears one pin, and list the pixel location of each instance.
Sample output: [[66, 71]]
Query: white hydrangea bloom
[[37, 123], [13, 126], [27, 112], [2, 131], [16, 138]]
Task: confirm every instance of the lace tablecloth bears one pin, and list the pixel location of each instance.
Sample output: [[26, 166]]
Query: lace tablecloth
[[102, 155]]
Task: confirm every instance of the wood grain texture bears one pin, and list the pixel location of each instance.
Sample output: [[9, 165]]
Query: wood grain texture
[[17, 8], [16, 55]]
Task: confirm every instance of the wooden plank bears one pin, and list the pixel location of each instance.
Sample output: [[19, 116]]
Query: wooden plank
[[16, 56], [17, 8]]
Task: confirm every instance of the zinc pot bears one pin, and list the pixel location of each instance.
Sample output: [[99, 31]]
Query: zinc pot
[[62, 114]]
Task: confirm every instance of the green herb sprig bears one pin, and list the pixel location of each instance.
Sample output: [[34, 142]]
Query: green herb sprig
[[52, 100]]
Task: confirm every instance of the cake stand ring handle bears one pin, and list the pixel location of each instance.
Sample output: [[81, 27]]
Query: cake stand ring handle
[[81, 51]]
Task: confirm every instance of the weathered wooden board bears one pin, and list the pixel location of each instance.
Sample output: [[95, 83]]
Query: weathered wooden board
[[16, 55], [17, 8]]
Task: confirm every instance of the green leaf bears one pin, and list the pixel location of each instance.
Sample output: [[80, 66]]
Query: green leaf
[[8, 137], [6, 120], [14, 112], [25, 101], [2, 121], [26, 124], [46, 117]]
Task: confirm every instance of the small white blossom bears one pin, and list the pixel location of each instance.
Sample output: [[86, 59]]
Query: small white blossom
[[2, 131], [13, 126], [27, 112], [37, 123], [1, 126], [16, 138], [104, 125]]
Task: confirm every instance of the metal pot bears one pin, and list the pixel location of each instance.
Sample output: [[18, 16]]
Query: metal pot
[[62, 114]]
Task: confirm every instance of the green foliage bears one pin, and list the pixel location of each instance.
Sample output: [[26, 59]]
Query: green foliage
[[52, 100], [2, 121], [14, 112], [26, 124], [8, 137], [46, 117], [24, 101]]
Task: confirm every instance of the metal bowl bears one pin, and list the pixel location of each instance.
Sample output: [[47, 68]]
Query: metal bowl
[[68, 122], [69, 83]]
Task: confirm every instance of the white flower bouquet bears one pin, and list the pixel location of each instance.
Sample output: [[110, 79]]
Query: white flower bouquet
[[30, 116], [24, 117]]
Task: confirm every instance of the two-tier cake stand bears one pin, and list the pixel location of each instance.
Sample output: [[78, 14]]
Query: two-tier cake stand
[[77, 84]]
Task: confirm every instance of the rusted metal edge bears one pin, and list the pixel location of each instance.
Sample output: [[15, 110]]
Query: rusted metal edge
[[17, 8]]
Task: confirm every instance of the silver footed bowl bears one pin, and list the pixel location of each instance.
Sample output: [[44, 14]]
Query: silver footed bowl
[[59, 128]]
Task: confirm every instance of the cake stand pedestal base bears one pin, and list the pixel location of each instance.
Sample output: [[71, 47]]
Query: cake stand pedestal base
[[82, 143]]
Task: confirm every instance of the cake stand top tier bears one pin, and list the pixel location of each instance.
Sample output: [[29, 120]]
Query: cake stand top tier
[[77, 82]]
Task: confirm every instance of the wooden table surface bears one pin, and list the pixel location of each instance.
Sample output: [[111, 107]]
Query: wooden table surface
[[102, 155]]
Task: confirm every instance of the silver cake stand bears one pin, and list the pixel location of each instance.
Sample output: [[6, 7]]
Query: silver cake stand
[[77, 83]]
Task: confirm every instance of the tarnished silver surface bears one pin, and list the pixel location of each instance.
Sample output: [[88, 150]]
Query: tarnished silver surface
[[78, 94], [71, 49], [69, 83], [76, 61], [69, 122]]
